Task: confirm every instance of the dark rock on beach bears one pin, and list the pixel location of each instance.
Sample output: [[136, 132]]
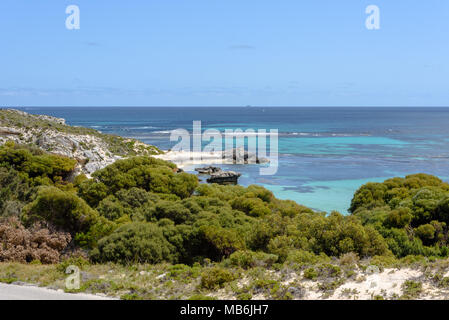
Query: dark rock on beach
[[219, 176], [224, 177], [208, 170]]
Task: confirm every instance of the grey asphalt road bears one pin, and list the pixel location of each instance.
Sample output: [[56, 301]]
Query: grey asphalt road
[[16, 292]]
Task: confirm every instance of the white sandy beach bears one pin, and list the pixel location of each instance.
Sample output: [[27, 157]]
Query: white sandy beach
[[186, 158]]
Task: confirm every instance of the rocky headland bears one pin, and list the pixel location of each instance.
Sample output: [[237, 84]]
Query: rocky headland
[[92, 149]]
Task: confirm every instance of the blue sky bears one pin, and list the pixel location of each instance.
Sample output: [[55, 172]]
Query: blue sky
[[224, 53]]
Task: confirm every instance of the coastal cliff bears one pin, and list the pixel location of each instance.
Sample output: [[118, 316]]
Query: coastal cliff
[[92, 149]]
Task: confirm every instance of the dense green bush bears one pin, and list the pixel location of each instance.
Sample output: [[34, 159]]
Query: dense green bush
[[398, 218], [281, 246], [288, 208], [136, 198], [101, 228], [173, 210], [411, 213], [22, 169], [310, 273], [220, 242], [303, 257], [248, 259], [146, 173], [111, 208], [15, 192], [35, 164], [62, 208], [216, 277], [135, 243], [254, 207]]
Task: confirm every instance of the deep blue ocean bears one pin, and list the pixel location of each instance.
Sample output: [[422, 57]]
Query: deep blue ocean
[[325, 153]]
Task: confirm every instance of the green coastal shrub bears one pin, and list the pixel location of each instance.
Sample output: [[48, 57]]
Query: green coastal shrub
[[110, 208], [426, 232], [310, 273], [126, 179], [398, 218], [328, 270], [383, 261], [35, 163], [303, 257], [220, 242], [184, 272], [226, 193], [174, 211], [411, 289], [337, 234], [135, 243], [260, 192], [349, 259], [254, 207], [288, 208], [23, 169], [61, 208], [15, 192], [216, 277], [101, 228], [410, 213], [136, 197], [248, 259], [281, 246], [146, 173]]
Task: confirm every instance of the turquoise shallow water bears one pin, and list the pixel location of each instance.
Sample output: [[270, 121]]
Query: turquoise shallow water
[[334, 145], [333, 195], [326, 154]]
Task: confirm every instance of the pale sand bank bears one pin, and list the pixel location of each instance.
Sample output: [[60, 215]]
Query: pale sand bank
[[186, 158]]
